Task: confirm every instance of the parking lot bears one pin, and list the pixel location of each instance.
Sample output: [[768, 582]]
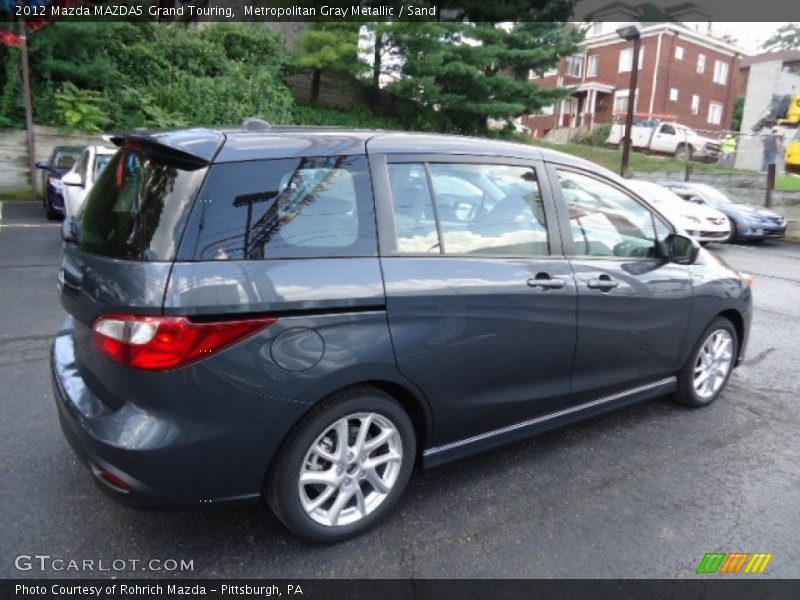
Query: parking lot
[[644, 492]]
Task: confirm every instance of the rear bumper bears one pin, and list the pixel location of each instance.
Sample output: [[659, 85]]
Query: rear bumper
[[161, 460]]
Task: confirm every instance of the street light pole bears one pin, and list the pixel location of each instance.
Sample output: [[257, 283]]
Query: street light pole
[[630, 33]]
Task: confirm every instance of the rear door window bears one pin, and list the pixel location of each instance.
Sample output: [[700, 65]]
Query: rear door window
[[137, 208], [311, 207], [478, 209]]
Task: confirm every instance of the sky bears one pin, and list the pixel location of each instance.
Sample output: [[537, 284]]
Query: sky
[[749, 35]]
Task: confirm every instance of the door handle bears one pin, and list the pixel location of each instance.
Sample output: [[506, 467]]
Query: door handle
[[604, 283], [545, 282]]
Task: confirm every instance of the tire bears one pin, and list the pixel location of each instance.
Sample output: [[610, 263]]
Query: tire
[[318, 432], [684, 152], [734, 232], [51, 214], [695, 396]]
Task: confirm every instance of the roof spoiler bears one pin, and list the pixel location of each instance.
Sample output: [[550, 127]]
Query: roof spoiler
[[192, 148]]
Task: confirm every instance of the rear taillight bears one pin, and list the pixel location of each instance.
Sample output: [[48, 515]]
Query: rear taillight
[[159, 343]]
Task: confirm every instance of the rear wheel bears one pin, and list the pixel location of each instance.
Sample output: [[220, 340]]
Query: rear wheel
[[710, 365], [344, 467]]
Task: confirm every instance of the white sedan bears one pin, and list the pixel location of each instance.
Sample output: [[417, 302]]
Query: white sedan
[[703, 223], [78, 181]]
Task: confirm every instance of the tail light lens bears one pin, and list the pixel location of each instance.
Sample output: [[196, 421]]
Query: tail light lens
[[160, 343]]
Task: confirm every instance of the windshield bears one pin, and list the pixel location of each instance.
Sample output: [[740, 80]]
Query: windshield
[[66, 157], [654, 193], [137, 207], [712, 194]]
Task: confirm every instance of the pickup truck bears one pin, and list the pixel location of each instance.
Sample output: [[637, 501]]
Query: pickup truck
[[668, 138]]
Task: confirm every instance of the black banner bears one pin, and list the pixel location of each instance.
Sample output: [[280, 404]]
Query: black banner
[[711, 588], [398, 10]]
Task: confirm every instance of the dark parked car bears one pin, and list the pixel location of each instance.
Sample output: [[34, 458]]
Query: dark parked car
[[305, 314], [748, 222], [61, 160]]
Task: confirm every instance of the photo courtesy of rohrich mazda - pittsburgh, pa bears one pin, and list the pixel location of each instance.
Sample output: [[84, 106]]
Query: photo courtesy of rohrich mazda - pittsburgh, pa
[[301, 316]]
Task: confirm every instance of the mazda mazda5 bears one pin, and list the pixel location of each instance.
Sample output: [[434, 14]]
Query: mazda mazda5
[[303, 315]]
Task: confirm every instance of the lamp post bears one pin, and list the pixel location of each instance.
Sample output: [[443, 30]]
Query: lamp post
[[630, 33]]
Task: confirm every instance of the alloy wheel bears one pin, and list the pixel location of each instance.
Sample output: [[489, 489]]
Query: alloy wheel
[[350, 469], [714, 362]]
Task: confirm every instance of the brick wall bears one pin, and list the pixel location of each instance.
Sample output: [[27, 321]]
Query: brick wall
[[334, 91]]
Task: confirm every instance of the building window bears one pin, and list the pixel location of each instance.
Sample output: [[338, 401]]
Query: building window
[[548, 111], [626, 59], [695, 104], [678, 52], [715, 113], [539, 75], [701, 63], [721, 72], [597, 29], [621, 101], [575, 65], [673, 94], [594, 66]]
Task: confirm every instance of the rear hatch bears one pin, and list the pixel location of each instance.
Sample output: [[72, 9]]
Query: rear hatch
[[125, 239]]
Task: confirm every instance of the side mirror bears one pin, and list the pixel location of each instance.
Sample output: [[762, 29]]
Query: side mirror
[[681, 249], [42, 165], [72, 178], [696, 200]]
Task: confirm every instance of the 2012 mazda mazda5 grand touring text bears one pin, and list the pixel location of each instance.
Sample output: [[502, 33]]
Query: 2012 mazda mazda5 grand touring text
[[302, 315]]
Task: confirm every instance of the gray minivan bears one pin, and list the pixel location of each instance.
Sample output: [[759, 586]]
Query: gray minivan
[[302, 315]]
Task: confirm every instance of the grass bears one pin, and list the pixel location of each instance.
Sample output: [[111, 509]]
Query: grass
[[610, 158], [788, 183], [21, 193]]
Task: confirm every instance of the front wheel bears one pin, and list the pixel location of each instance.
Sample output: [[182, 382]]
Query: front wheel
[[710, 365], [344, 466], [683, 152]]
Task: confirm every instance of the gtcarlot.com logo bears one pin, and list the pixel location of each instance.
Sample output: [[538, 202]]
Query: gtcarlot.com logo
[[734, 563], [46, 562]]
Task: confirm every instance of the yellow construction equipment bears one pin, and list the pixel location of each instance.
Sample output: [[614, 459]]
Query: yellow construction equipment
[[792, 158]]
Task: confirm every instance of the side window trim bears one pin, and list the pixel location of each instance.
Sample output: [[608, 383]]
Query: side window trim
[[434, 206], [561, 208], [384, 201]]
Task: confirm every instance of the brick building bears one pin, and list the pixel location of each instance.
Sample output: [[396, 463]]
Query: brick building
[[683, 74]]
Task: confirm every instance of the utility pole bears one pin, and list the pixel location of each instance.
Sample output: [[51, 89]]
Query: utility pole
[[630, 33], [26, 93]]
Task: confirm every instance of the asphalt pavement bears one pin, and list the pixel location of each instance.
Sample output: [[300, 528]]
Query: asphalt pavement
[[644, 492]]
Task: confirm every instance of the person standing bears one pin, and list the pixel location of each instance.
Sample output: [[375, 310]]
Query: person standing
[[773, 148], [728, 148]]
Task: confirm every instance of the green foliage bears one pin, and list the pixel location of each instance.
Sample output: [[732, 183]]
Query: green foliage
[[153, 75], [468, 72], [81, 109], [596, 137], [738, 112], [330, 47], [359, 118], [786, 37]]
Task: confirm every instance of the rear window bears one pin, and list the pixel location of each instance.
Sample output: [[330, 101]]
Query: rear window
[[312, 207], [137, 208]]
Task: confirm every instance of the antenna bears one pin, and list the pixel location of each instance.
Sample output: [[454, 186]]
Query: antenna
[[255, 124]]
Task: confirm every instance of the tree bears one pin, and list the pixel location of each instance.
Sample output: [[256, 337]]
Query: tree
[[738, 112], [786, 37], [469, 72], [331, 47]]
